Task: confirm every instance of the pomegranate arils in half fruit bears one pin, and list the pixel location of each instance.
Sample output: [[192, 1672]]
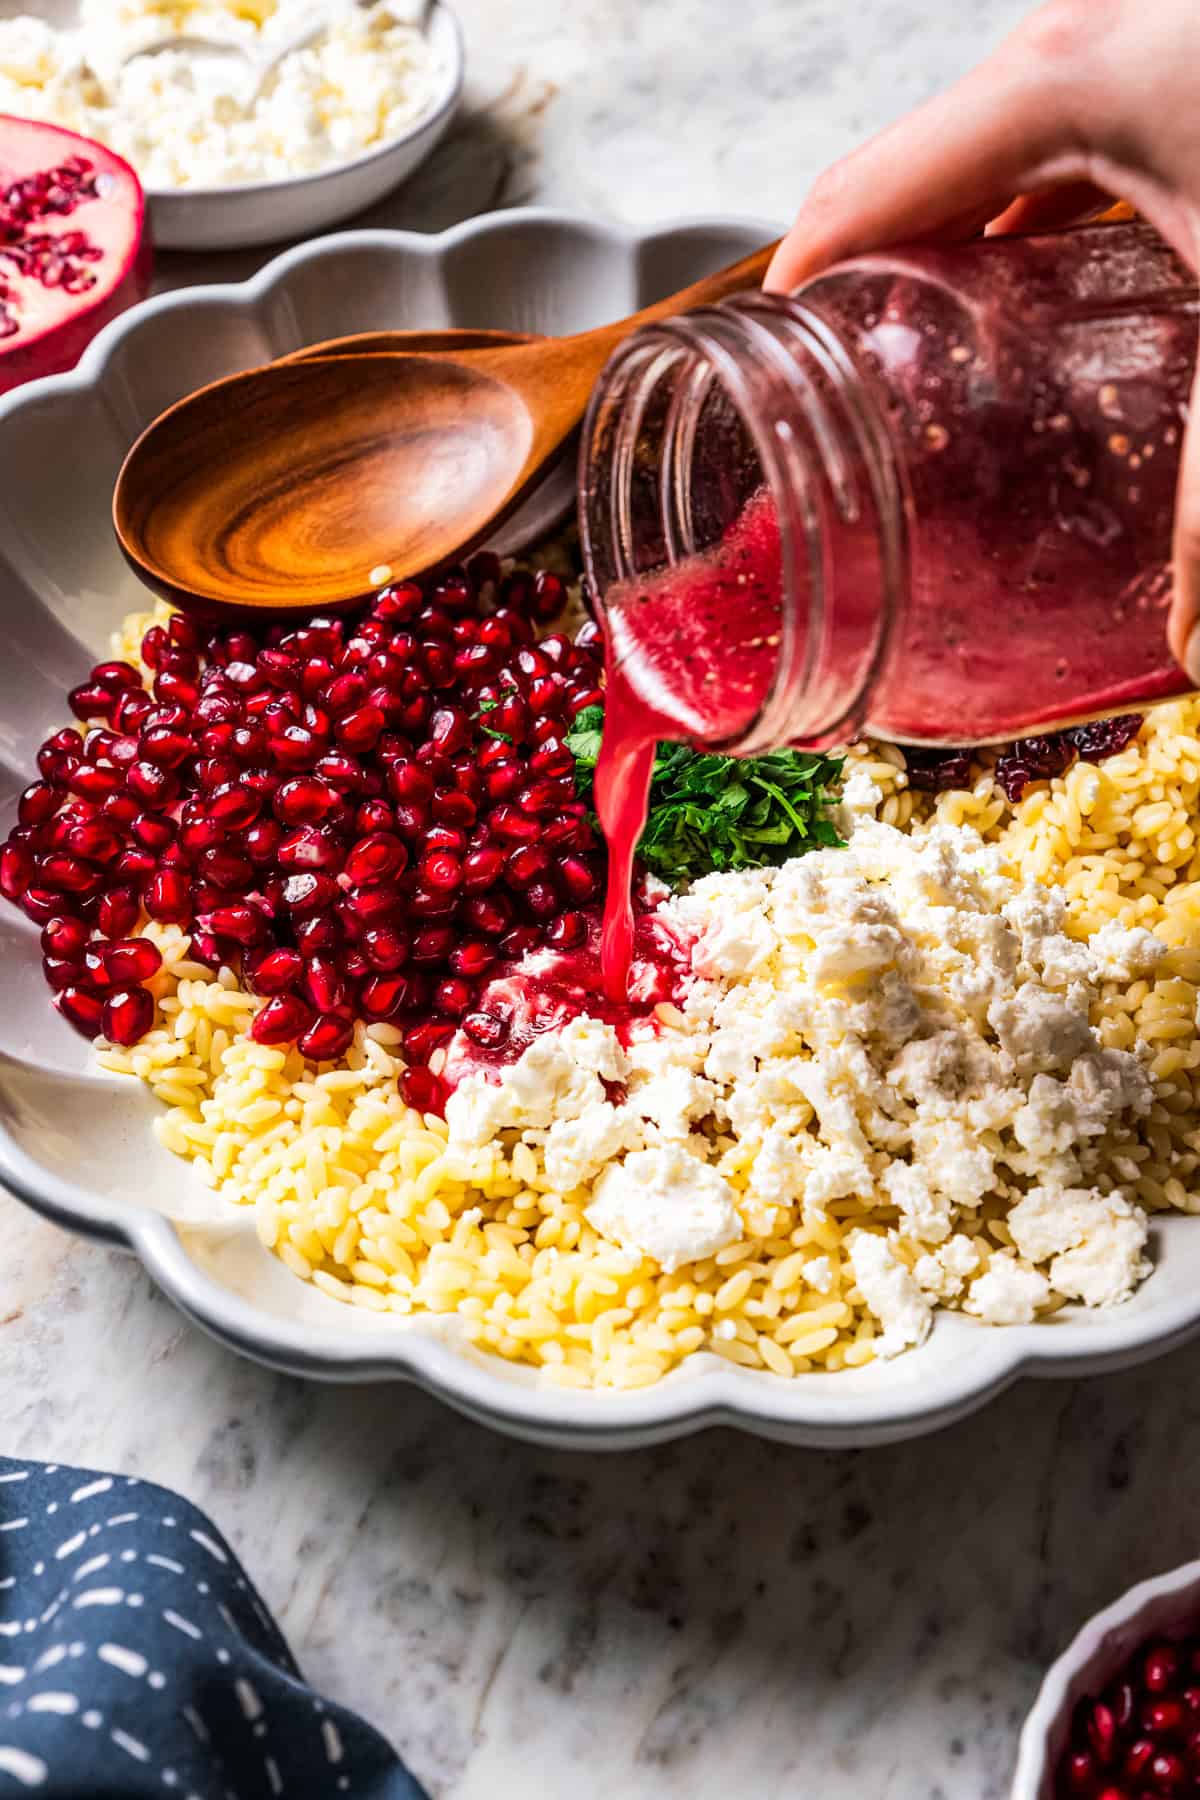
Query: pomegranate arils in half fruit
[[72, 250]]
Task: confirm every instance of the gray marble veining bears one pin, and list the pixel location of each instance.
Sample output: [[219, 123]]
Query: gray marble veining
[[714, 1618]]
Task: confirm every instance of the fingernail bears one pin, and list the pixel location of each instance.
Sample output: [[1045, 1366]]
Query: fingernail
[[1191, 655]]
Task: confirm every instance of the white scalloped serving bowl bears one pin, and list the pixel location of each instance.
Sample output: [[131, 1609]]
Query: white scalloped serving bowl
[[77, 1145], [1167, 1606]]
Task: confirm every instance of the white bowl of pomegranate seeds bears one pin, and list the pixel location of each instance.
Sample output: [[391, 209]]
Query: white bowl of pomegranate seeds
[[96, 1150], [1118, 1715]]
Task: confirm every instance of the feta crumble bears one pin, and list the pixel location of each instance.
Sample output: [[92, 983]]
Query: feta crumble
[[896, 1028]]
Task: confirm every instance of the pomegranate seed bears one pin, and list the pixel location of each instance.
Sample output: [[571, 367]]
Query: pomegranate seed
[[384, 947], [168, 897], [133, 959], [514, 827], [198, 835], [409, 782], [233, 806], [398, 604], [1136, 1758], [489, 913], [432, 944], [541, 899], [1102, 1731], [1168, 1773], [321, 933], [83, 1009], [528, 864], [37, 804], [360, 729], [323, 984], [326, 1038], [1163, 1718], [309, 847], [127, 1015], [61, 972], [422, 1090], [382, 995], [92, 783], [224, 866], [377, 857], [486, 1029], [164, 747], [245, 925], [453, 996], [309, 892], [90, 701], [420, 1041], [304, 800], [262, 840], [152, 831], [276, 971], [432, 903], [281, 1020], [549, 596], [472, 958], [95, 840], [442, 871], [552, 758], [519, 941], [117, 913], [16, 870], [503, 779], [133, 868], [577, 878], [567, 931], [43, 903], [67, 873], [151, 785], [64, 938], [482, 869], [1160, 1670]]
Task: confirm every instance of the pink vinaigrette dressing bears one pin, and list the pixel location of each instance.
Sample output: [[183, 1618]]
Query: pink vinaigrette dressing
[[930, 497]]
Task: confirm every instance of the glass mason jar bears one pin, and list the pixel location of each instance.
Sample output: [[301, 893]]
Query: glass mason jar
[[929, 495]]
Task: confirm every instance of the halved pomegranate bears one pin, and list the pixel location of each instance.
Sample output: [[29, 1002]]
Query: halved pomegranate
[[74, 251]]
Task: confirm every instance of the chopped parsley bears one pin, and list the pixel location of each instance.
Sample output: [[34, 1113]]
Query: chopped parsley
[[722, 812]]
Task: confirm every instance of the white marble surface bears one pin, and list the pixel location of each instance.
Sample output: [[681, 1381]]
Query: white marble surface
[[719, 1617]]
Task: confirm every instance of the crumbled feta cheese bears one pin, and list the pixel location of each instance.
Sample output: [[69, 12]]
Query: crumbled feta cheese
[[943, 1271], [667, 1204], [1125, 953], [1008, 1293], [1096, 1241], [890, 1291], [897, 1022], [818, 1273]]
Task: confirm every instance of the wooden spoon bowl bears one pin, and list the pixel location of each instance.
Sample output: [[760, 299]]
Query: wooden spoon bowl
[[283, 487]]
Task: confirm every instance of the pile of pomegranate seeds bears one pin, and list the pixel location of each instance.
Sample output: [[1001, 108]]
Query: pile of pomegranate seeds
[[1141, 1740], [365, 817]]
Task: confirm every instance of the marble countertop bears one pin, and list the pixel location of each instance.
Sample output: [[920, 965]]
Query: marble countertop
[[714, 1617]]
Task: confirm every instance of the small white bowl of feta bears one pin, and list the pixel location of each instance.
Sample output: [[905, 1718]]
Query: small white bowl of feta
[[248, 121]]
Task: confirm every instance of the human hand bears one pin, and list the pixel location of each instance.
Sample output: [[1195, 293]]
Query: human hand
[[1088, 100]]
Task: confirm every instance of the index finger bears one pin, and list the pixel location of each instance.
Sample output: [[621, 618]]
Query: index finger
[[957, 161]]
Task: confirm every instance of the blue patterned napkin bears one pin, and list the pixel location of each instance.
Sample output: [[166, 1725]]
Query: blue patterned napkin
[[136, 1659]]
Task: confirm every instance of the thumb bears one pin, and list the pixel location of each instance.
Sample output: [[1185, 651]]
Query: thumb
[[1184, 627]]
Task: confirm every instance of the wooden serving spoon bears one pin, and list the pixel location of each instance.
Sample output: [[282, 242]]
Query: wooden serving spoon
[[284, 487]]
